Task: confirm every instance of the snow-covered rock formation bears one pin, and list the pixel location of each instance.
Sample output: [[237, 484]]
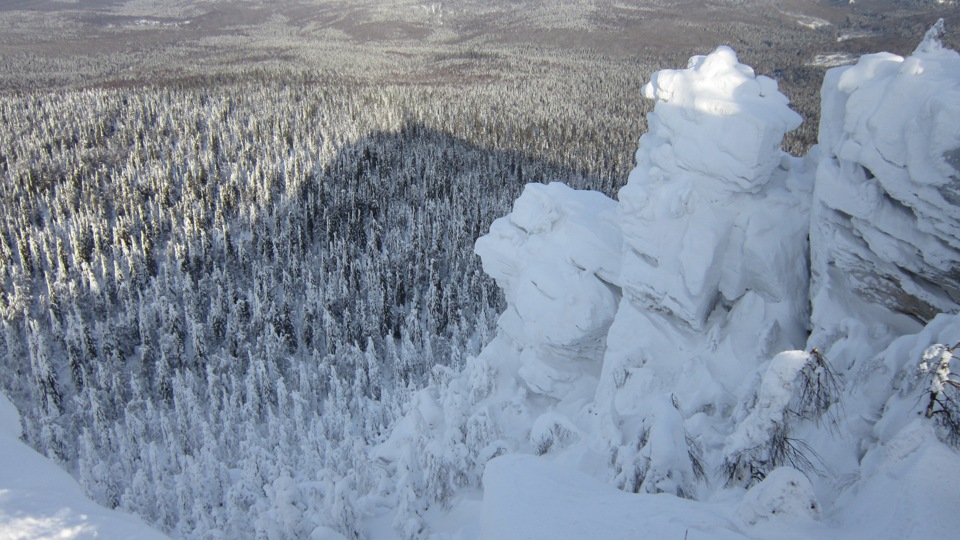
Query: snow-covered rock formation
[[714, 259], [665, 343], [886, 215], [745, 344], [711, 152], [556, 257]]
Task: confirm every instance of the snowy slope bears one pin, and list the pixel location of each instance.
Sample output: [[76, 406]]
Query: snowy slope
[[659, 371], [532, 498], [40, 500]]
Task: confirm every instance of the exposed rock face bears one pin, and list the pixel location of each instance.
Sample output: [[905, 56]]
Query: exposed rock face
[[886, 214]]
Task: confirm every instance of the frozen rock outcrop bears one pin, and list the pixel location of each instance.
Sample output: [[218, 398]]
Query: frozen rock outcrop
[[635, 317], [682, 289], [643, 339], [885, 234], [712, 148], [556, 257], [714, 260]]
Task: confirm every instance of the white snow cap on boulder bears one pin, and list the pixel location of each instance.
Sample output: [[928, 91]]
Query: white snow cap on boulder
[[717, 119]]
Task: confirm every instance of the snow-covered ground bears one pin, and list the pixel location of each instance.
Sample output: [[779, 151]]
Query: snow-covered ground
[[39, 500]]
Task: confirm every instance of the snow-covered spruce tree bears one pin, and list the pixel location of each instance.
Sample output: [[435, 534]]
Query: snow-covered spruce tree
[[664, 457], [441, 444], [49, 394], [794, 387]]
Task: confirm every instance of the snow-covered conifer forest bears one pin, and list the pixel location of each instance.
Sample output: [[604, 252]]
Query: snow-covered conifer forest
[[307, 270]]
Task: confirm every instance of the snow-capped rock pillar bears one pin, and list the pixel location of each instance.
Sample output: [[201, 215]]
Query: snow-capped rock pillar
[[714, 255], [556, 257], [715, 132]]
